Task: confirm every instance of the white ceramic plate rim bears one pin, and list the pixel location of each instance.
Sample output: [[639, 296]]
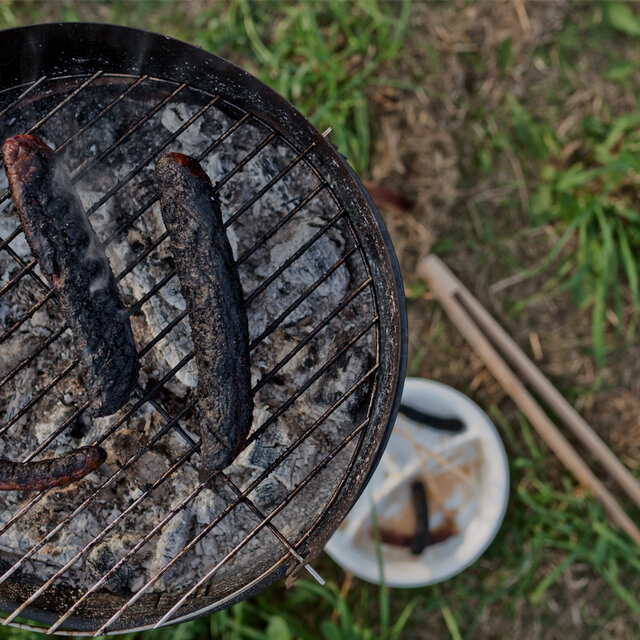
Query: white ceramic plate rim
[[427, 394]]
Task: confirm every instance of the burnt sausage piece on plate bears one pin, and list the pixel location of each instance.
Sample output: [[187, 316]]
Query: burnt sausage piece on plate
[[72, 258], [215, 305], [52, 472]]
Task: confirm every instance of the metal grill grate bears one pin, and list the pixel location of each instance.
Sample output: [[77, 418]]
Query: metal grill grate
[[49, 107]]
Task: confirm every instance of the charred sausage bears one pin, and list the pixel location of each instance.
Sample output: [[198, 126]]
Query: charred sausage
[[72, 258], [52, 472], [215, 305]]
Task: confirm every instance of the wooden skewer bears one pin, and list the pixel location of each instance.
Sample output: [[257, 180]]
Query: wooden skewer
[[552, 397], [447, 289]]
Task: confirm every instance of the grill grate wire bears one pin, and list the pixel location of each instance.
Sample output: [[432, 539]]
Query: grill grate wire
[[144, 396]]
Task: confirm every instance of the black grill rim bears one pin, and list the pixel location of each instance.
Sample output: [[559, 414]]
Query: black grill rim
[[59, 50]]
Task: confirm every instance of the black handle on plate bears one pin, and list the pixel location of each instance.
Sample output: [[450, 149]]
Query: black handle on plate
[[454, 425]]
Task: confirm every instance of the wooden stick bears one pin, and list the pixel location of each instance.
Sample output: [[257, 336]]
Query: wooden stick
[[551, 396], [442, 283]]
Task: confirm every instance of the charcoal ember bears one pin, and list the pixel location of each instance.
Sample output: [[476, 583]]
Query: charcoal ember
[[126, 244], [158, 312], [65, 546], [71, 257], [299, 276], [264, 452], [18, 244], [221, 539], [173, 537], [56, 413], [23, 383], [269, 494], [140, 475], [102, 558], [175, 115], [47, 472], [213, 294]]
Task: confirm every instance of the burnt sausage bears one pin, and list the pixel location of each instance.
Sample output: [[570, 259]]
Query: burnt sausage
[[72, 258], [52, 472], [215, 305]]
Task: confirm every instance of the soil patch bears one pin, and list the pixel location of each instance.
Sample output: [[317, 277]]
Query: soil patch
[[443, 148]]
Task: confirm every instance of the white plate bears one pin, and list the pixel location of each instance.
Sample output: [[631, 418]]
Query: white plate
[[471, 491]]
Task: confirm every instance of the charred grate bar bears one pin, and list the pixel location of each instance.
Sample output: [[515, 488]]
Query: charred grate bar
[[103, 556], [32, 87], [52, 384], [34, 127]]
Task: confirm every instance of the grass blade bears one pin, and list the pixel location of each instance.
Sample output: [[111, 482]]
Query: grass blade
[[550, 579], [451, 623], [631, 271], [402, 620]]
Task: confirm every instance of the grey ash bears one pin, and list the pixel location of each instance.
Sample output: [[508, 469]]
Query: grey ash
[[131, 433]]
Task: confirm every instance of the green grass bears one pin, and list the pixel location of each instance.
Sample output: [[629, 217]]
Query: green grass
[[591, 198], [326, 58], [584, 185], [550, 528], [322, 56]]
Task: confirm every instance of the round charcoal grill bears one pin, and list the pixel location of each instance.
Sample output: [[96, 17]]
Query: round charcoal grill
[[142, 541]]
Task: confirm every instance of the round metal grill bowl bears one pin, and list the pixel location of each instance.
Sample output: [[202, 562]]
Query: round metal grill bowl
[[327, 322]]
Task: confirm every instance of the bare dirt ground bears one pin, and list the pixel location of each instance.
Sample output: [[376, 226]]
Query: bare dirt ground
[[424, 151], [429, 139]]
